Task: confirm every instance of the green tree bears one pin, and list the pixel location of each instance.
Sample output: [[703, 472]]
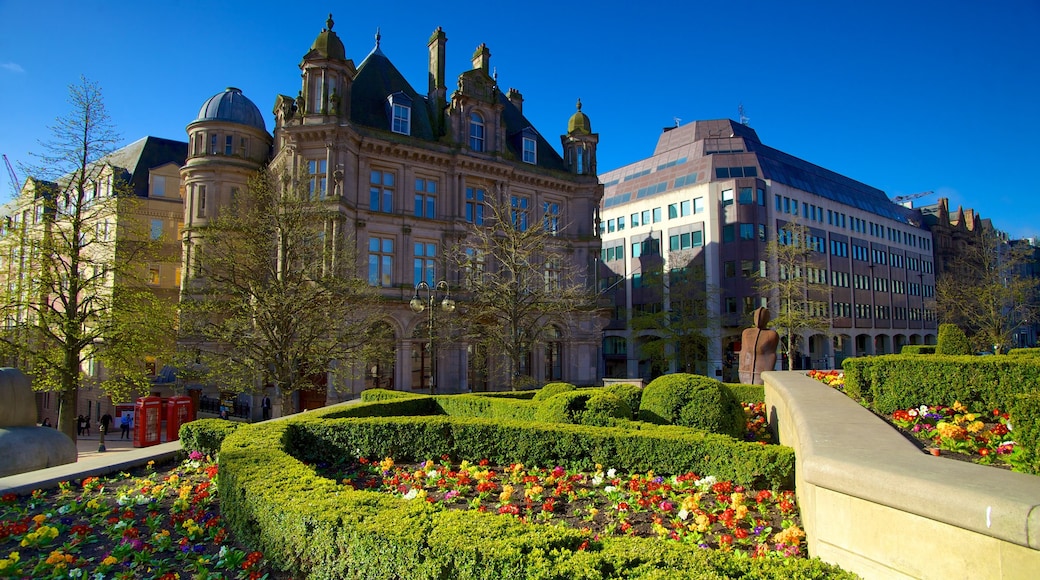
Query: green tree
[[74, 286], [796, 291], [674, 332], [274, 300], [518, 276], [985, 292]]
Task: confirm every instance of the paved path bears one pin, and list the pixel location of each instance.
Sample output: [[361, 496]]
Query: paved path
[[118, 455]]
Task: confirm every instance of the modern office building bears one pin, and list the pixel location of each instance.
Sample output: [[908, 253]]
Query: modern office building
[[713, 195], [407, 173]]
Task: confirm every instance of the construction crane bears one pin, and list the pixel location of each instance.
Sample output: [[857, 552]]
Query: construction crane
[[15, 184], [902, 199]]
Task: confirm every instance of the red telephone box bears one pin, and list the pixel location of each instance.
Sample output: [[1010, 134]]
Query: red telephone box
[[179, 411], [147, 421]]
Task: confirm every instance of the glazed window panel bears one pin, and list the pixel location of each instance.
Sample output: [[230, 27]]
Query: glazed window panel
[[530, 150], [402, 121], [475, 205], [380, 261], [476, 132], [425, 198], [381, 191], [316, 169]]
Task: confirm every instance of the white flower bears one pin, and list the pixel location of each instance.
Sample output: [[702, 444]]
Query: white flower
[[432, 474], [64, 509], [597, 479], [683, 514], [706, 482], [222, 552], [611, 472], [610, 489], [122, 500], [412, 493], [75, 573]]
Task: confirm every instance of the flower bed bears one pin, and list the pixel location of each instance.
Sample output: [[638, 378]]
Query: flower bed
[[684, 508], [984, 438], [162, 523]]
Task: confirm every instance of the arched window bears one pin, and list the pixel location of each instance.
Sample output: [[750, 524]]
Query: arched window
[[476, 132], [553, 358]]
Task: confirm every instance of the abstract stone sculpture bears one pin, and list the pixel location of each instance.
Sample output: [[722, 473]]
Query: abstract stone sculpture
[[23, 445], [757, 349]]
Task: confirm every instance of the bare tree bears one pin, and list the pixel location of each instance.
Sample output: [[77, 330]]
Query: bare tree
[[795, 290], [74, 288], [517, 277], [275, 297], [985, 292]]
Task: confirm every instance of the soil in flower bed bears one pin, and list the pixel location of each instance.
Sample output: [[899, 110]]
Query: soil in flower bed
[[160, 521], [685, 508]]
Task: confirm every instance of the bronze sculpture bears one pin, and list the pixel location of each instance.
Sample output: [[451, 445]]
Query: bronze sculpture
[[757, 349]]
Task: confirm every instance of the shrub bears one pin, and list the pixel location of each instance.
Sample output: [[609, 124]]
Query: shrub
[[1024, 411], [630, 394], [604, 409], [564, 407], [747, 393], [693, 401], [918, 349], [206, 435], [1024, 352], [952, 340], [552, 389]]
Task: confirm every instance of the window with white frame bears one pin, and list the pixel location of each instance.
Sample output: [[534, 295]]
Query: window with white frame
[[400, 113], [476, 131], [530, 150]]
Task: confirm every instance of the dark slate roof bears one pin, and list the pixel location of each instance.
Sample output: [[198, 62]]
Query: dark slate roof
[[144, 154], [377, 78], [232, 106]]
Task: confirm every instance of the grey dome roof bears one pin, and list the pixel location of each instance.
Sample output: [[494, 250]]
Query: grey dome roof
[[232, 106]]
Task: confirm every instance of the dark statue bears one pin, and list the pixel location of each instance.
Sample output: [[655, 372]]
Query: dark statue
[[757, 349]]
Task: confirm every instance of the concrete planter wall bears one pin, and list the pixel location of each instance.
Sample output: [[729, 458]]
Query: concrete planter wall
[[874, 504]]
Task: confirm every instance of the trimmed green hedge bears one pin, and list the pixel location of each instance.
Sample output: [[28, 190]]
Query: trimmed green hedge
[[523, 409], [952, 341], [747, 393], [1024, 352], [312, 527], [891, 382], [693, 401], [629, 393], [551, 390], [206, 435], [918, 349]]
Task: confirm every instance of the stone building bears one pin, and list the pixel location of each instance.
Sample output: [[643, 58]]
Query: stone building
[[407, 172]]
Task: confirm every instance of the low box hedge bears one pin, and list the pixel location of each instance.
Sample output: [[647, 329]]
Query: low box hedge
[[313, 527], [918, 349]]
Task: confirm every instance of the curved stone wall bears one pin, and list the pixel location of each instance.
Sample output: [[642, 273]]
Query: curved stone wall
[[876, 505]]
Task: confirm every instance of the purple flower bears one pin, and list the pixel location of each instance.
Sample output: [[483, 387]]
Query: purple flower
[[199, 548]]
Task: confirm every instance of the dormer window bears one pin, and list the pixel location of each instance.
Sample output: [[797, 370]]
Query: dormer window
[[400, 113], [476, 132], [529, 145]]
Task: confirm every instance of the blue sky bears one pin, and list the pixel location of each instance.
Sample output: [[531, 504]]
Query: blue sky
[[903, 96]]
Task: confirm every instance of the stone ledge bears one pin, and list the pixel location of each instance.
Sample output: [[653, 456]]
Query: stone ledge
[[843, 447]]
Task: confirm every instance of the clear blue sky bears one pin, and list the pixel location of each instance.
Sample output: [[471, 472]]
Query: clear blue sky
[[905, 96]]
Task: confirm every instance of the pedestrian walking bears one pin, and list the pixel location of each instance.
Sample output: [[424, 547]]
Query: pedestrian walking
[[106, 422], [124, 425], [81, 425]]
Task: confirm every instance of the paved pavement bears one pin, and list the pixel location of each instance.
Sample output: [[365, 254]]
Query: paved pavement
[[119, 455]]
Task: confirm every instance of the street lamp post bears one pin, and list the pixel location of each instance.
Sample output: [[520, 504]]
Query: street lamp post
[[417, 305]]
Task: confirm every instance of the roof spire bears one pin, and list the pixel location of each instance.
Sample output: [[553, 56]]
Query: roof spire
[[378, 37], [579, 103], [329, 22]]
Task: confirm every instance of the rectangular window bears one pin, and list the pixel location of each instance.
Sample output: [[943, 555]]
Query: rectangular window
[[747, 231], [201, 205], [551, 219], [213, 144], [530, 150], [380, 261], [637, 250], [611, 225], [316, 170], [635, 220], [518, 212], [381, 191], [657, 215], [746, 196], [158, 186], [673, 243], [760, 196], [475, 205], [423, 266], [157, 227], [621, 223], [730, 269], [698, 205], [727, 197], [684, 208], [673, 211], [698, 239], [684, 241], [229, 144], [727, 233], [646, 217], [425, 198], [402, 119], [153, 275]]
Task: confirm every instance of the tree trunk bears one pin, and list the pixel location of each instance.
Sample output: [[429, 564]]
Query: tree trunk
[[68, 401]]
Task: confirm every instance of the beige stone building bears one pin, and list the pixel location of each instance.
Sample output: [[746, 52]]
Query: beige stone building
[[407, 172]]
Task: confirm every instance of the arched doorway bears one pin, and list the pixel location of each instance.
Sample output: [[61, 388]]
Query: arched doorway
[[381, 356], [553, 354]]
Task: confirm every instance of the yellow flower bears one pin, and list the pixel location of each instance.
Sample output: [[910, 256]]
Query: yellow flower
[[533, 491], [958, 407], [791, 536], [507, 491], [386, 464], [701, 523], [950, 431], [736, 499], [741, 511], [109, 561], [975, 427]]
